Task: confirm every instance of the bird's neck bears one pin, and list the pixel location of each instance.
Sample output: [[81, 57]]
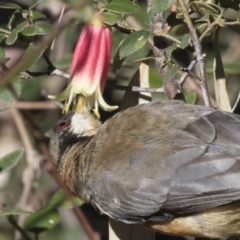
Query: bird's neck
[[68, 167]]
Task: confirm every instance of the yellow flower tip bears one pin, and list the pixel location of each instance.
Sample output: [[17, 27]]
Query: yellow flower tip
[[97, 20], [53, 97], [96, 112]]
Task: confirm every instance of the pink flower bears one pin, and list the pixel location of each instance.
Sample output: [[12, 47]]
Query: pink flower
[[89, 67]]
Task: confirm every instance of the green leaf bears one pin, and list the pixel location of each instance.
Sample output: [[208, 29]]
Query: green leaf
[[35, 15], [42, 220], [170, 74], [59, 200], [7, 96], [185, 41], [34, 3], [40, 29], [133, 42], [123, 7], [159, 6], [2, 37], [20, 26], [48, 133], [2, 53], [12, 37], [5, 5], [12, 211], [31, 48], [190, 97], [117, 62], [238, 18], [111, 18], [205, 8], [10, 160]]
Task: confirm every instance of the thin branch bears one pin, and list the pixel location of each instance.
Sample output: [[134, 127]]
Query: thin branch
[[189, 68], [60, 73], [21, 230], [13, 222], [32, 167], [135, 88], [198, 51], [59, 20], [29, 105]]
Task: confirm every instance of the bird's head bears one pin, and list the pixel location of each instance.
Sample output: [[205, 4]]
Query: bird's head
[[71, 129]]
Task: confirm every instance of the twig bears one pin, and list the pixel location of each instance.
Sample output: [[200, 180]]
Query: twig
[[11, 220], [51, 67], [198, 51], [189, 68], [59, 20], [60, 73], [14, 223], [29, 105], [135, 88], [32, 159]]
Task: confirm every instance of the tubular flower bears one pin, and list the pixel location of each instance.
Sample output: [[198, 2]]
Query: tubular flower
[[89, 68]]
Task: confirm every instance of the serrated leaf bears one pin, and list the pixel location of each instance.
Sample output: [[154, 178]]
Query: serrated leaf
[[133, 42], [123, 7], [5, 5], [40, 29], [34, 3], [159, 6], [31, 48], [42, 220], [10, 160], [185, 41], [12, 37], [170, 74], [59, 200], [111, 18], [7, 96]]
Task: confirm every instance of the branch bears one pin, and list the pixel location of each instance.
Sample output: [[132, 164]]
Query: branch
[[198, 52], [12, 221]]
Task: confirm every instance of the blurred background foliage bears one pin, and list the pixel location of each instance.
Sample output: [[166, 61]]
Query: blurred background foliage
[[30, 195]]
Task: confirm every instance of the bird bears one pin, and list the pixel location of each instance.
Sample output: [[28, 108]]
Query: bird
[[170, 166]]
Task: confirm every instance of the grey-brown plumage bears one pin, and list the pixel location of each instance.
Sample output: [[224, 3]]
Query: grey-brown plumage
[[171, 166]]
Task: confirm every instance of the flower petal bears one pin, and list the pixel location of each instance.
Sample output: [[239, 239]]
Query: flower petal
[[61, 96], [103, 104]]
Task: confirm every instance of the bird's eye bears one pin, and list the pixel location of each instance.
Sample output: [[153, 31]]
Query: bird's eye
[[62, 125]]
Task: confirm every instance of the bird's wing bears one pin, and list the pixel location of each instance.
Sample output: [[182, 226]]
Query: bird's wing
[[161, 156], [213, 179]]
